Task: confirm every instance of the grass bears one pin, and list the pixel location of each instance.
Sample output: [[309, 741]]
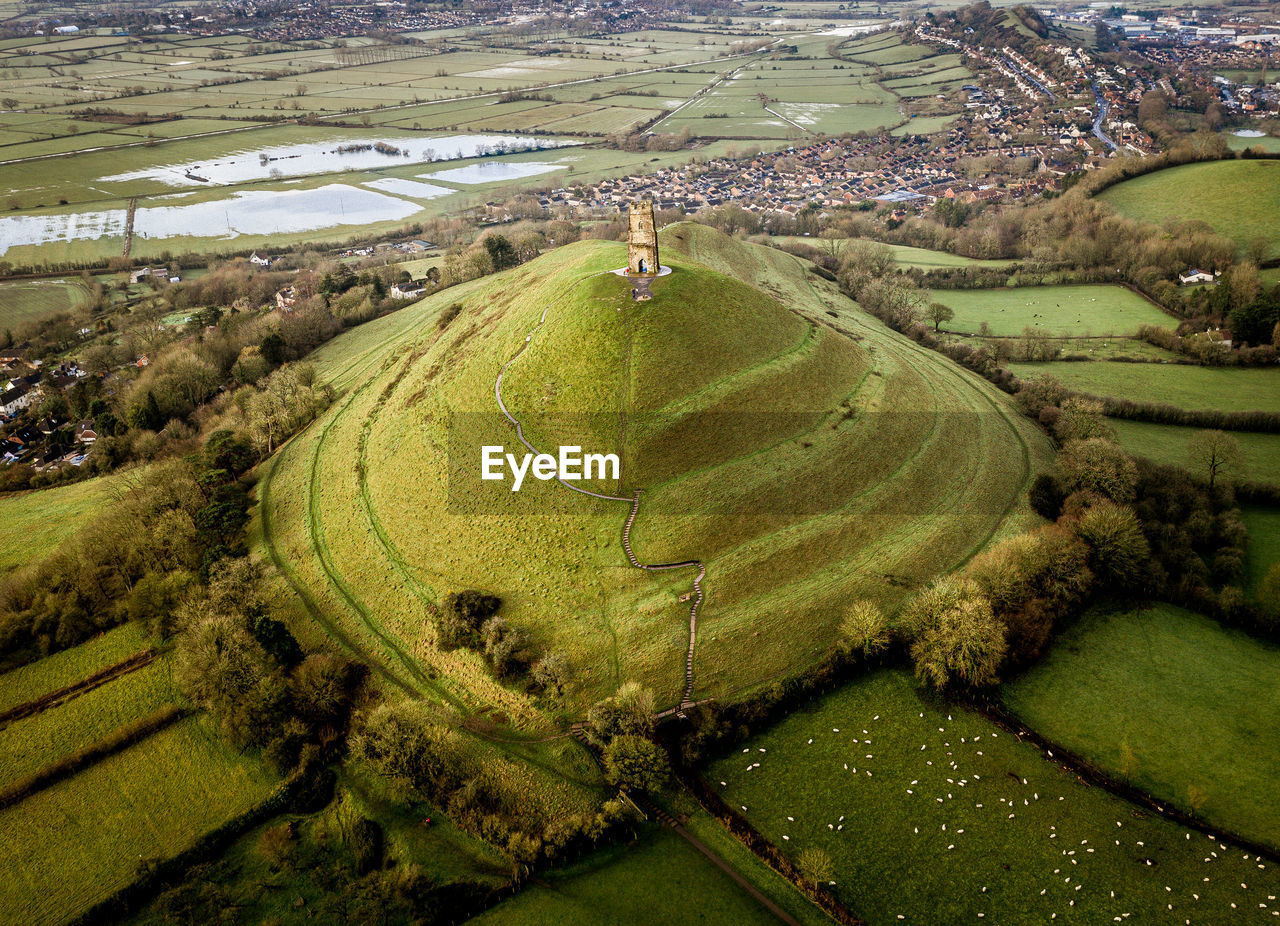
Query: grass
[[71, 845], [1240, 199], [1075, 311], [1167, 443], [1023, 839], [34, 524], [1170, 701], [18, 686], [28, 745], [22, 302], [659, 878], [1233, 389], [719, 388], [1263, 524], [904, 255]]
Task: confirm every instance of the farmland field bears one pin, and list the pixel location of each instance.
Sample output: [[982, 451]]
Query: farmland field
[[789, 564], [904, 255], [1240, 199], [29, 682], [72, 844], [1077, 311], [1170, 701], [33, 524], [886, 781], [22, 302], [659, 874], [1167, 443], [1191, 387], [1263, 553], [29, 744]]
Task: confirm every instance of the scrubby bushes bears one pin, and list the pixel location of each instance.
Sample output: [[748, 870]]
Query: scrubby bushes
[[468, 620], [246, 669], [428, 759]]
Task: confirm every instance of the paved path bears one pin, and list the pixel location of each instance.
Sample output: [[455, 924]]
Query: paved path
[[686, 699]]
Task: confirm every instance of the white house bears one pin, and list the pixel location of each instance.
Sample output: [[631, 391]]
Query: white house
[[405, 291], [256, 258], [15, 400], [1196, 276]]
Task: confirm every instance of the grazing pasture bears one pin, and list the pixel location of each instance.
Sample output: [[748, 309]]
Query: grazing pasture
[[1074, 311], [33, 524], [73, 844], [1168, 443], [30, 744], [660, 874], [52, 673], [885, 780], [1263, 524], [1171, 702], [1240, 199], [33, 300], [1231, 389]]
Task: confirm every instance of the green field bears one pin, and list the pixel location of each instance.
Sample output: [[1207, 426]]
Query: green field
[[904, 255], [932, 814], [1240, 199], [1167, 443], [1264, 543], [824, 520], [660, 878], [1170, 701], [1232, 389], [22, 302], [29, 744], [1268, 143], [73, 844], [34, 524], [18, 686], [1058, 311]]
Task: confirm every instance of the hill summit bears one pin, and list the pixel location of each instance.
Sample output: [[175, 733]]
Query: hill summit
[[794, 448]]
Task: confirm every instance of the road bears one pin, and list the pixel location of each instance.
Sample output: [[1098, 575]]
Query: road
[[1103, 108]]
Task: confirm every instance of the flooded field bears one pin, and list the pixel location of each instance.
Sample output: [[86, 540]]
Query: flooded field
[[493, 171], [299, 160], [246, 212]]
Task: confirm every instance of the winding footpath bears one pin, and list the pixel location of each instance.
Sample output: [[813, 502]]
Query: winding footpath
[[686, 699]]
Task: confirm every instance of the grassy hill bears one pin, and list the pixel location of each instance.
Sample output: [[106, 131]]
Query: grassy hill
[[804, 453], [1240, 199]]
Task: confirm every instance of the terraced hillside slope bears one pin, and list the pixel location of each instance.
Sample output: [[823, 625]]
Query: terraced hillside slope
[[803, 453]]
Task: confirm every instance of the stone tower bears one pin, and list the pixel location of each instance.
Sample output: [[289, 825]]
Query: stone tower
[[642, 240]]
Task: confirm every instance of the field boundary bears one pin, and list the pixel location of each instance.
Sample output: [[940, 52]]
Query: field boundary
[[86, 684], [742, 830], [994, 710], [117, 741]]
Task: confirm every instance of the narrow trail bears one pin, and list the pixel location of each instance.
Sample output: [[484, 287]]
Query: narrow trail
[[686, 699]]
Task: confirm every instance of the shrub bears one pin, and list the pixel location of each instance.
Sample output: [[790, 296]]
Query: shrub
[[1118, 551], [1046, 497], [634, 763], [627, 713], [957, 639], [1096, 465], [865, 628], [458, 621]]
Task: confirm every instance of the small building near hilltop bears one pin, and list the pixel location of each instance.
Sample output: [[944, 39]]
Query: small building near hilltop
[[642, 240]]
